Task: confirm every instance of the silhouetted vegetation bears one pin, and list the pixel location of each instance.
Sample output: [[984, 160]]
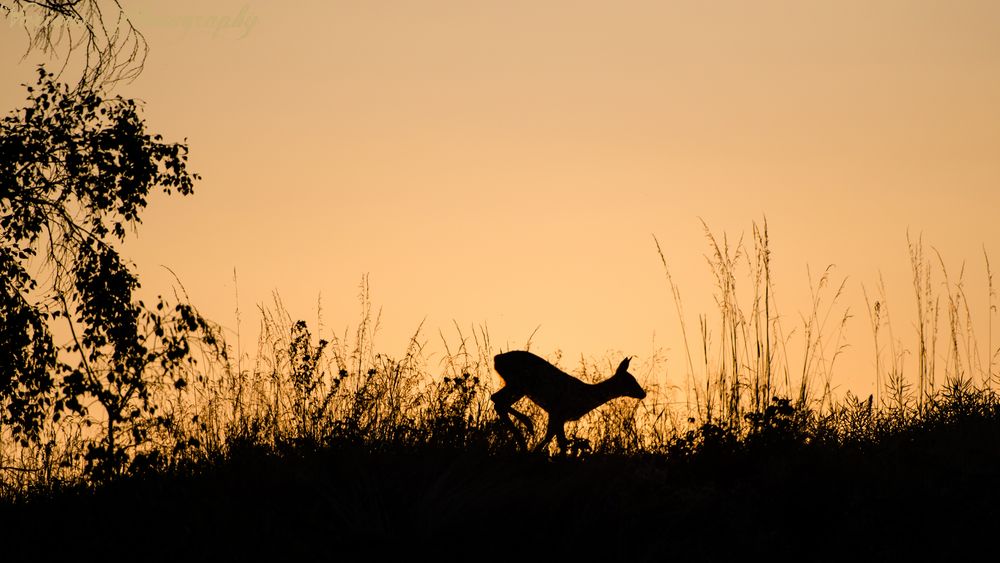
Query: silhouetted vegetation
[[150, 427], [75, 173], [95, 35]]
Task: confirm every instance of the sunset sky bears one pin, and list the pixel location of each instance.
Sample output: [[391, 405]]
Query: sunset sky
[[507, 163]]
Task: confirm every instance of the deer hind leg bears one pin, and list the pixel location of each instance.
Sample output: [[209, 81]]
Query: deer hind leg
[[553, 430], [503, 401], [561, 438]]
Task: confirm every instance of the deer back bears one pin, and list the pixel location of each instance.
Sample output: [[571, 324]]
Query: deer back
[[541, 381]]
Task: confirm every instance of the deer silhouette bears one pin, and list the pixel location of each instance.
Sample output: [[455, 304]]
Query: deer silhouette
[[561, 395]]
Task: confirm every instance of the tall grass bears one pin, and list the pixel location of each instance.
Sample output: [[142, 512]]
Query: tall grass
[[752, 375], [746, 350], [946, 349]]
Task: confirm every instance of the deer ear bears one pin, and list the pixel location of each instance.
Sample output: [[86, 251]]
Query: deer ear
[[623, 367]]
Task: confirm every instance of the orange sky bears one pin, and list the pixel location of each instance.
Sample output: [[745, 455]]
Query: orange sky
[[507, 162]]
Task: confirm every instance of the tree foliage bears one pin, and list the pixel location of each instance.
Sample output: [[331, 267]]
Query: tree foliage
[[76, 171]]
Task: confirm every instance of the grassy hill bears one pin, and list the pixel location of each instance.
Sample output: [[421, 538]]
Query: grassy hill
[[916, 487]]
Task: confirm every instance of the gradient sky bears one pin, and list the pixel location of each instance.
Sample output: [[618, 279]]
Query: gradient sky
[[506, 163]]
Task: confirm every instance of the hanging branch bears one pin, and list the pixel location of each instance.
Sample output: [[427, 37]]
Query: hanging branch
[[112, 48]]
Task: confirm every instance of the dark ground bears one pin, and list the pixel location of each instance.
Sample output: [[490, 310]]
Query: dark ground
[[924, 494]]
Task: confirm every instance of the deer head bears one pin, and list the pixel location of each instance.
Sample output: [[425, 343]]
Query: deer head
[[629, 386]]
